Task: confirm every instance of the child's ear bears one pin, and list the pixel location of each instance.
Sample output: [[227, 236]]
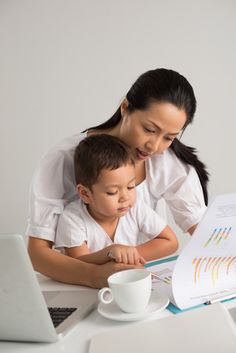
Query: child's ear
[[84, 193]]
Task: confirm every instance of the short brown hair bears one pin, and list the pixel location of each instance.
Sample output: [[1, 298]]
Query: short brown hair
[[96, 153]]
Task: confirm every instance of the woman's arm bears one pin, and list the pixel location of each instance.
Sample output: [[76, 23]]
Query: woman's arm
[[164, 244], [66, 269]]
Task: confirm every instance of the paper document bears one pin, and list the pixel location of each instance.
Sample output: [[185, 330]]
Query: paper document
[[206, 267]]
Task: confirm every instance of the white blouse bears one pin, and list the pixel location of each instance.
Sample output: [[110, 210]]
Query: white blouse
[[53, 187]]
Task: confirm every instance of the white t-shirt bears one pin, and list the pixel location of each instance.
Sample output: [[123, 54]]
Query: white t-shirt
[[76, 226], [53, 187]]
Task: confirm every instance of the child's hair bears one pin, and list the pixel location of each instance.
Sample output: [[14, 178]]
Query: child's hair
[[96, 153]]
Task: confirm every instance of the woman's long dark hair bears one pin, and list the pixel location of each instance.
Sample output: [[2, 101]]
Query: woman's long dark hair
[[162, 85]]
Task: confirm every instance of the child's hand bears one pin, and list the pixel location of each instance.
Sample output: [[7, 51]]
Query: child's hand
[[125, 254]]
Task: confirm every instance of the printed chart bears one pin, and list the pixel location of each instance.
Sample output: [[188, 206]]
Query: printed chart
[[214, 267], [206, 267], [219, 235]]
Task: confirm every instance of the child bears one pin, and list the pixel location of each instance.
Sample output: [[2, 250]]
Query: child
[[107, 222]]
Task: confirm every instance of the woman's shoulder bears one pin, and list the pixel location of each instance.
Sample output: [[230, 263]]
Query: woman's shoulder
[[63, 150], [58, 161], [67, 144], [165, 170], [167, 163]]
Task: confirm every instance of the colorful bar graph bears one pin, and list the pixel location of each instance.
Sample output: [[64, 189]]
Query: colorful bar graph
[[218, 235], [213, 266]]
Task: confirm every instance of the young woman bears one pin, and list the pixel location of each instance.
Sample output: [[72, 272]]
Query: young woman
[[156, 110]]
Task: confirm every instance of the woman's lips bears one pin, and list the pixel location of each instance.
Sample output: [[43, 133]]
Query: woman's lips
[[141, 154]]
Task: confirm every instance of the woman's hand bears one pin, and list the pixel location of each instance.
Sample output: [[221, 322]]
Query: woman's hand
[[125, 254]]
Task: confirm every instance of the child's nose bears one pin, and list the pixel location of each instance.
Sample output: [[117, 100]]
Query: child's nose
[[123, 196]]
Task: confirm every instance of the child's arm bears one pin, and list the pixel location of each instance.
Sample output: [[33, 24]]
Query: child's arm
[[67, 269], [164, 244], [119, 253]]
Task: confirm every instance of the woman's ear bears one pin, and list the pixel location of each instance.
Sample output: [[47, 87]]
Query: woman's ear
[[84, 193], [123, 107]]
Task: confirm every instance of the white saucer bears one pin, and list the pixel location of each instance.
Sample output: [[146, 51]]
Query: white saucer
[[158, 302]]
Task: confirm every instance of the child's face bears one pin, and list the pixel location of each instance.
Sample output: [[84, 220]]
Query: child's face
[[113, 194]]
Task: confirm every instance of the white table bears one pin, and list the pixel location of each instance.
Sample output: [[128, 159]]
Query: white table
[[77, 341]]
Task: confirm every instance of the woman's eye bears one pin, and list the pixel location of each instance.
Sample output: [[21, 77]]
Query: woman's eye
[[147, 129], [169, 139]]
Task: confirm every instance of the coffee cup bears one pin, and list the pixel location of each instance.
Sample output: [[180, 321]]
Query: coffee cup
[[130, 289]]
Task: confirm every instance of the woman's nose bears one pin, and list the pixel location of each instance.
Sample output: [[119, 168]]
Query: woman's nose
[[154, 145]]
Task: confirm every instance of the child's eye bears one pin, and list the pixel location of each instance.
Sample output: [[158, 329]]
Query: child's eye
[[111, 193], [131, 187]]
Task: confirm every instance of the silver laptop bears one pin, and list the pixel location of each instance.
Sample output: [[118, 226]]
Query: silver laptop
[[27, 313]]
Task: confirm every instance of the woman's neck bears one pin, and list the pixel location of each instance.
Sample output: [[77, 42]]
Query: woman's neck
[[140, 172]]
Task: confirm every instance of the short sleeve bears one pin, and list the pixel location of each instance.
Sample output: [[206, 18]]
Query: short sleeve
[[149, 222], [52, 187], [178, 184], [46, 198], [186, 201], [71, 229]]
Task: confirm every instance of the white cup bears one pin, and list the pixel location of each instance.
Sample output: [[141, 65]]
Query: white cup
[[130, 289]]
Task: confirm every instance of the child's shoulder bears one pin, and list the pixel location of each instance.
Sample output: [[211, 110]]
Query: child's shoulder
[[74, 215], [75, 207]]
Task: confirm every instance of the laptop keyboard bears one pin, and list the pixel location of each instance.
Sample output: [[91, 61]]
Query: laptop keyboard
[[58, 315]]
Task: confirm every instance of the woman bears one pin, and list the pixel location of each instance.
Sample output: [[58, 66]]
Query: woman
[[155, 111]]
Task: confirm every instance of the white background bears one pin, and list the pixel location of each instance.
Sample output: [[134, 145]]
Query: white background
[[66, 64]]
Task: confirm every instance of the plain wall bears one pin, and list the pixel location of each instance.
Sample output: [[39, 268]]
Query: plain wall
[[66, 64]]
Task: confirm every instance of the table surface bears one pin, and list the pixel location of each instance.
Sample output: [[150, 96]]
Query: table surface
[[78, 339]]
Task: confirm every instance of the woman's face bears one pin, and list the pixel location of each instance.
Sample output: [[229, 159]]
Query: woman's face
[[151, 131]]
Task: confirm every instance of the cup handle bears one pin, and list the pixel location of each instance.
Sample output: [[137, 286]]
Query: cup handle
[[105, 295]]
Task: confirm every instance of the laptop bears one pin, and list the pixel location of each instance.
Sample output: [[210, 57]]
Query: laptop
[[27, 313]]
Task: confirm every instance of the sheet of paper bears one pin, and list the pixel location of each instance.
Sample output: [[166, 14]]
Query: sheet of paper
[[164, 281], [206, 267]]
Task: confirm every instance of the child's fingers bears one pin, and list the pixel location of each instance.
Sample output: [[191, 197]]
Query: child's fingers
[[129, 257], [118, 258], [142, 260], [137, 259], [124, 257], [132, 258]]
